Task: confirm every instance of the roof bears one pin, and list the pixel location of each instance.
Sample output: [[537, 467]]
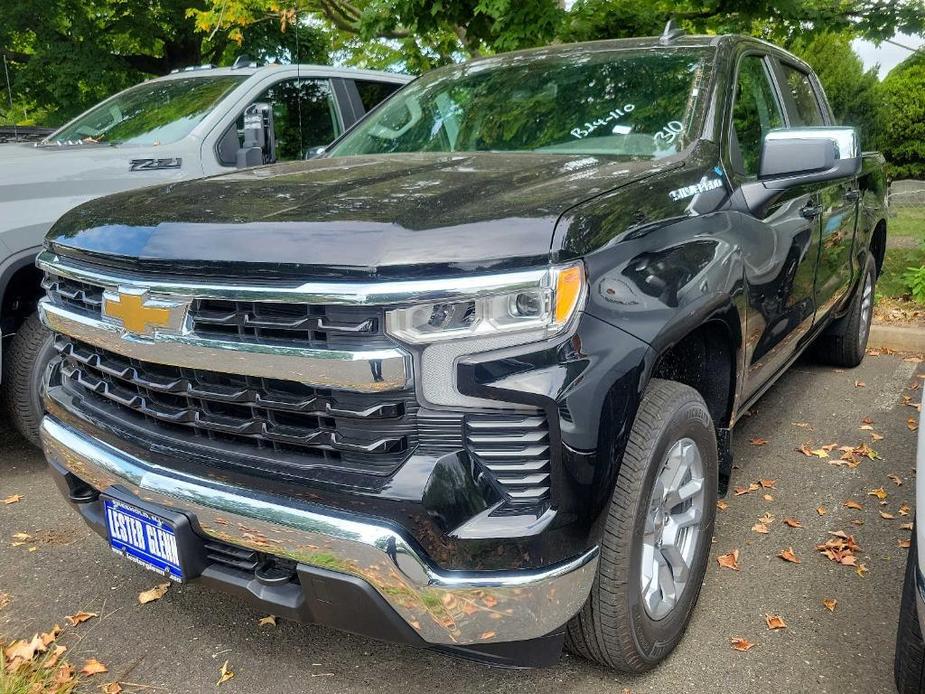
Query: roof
[[306, 69]]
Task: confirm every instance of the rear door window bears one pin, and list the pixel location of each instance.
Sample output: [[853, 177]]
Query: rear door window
[[805, 105], [372, 93]]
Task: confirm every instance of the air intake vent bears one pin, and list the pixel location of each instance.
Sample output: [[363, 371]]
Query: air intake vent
[[514, 450]]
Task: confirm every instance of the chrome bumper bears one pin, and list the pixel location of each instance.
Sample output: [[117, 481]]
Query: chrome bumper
[[446, 608]]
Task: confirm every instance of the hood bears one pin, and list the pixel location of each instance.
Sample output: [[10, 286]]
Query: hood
[[355, 215], [39, 184]]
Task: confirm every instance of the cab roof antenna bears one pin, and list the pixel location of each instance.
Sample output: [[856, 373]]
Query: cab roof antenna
[[671, 32]]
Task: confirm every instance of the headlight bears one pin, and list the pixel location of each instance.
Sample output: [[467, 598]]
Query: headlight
[[547, 306]]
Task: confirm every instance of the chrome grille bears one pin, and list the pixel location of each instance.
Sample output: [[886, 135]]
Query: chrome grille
[[311, 325], [373, 432], [315, 326], [514, 450]]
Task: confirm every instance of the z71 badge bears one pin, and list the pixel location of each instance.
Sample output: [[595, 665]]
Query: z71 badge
[[155, 164], [701, 186]]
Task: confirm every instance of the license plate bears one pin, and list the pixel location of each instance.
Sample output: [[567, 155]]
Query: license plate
[[143, 538]]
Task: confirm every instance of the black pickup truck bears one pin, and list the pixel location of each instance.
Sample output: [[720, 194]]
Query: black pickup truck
[[467, 381]]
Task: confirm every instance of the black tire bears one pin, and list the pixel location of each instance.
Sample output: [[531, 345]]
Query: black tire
[[845, 341], [23, 367], [614, 628], [909, 663]]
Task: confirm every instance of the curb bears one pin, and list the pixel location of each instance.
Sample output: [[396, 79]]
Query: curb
[[899, 338]]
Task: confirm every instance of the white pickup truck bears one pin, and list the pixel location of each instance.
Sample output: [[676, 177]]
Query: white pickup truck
[[189, 124]]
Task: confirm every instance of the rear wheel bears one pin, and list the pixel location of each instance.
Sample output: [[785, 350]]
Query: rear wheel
[[909, 664], [845, 341], [23, 367], [657, 534]]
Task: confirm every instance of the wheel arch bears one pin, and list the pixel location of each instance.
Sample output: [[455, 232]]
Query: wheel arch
[[20, 288]]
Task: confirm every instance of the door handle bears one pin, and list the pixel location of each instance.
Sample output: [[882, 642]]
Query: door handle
[[853, 195], [811, 211]]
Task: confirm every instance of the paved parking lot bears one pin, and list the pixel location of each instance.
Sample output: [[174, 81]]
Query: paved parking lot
[[179, 643]]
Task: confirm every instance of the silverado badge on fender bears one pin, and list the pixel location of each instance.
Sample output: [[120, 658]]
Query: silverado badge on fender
[[135, 311]]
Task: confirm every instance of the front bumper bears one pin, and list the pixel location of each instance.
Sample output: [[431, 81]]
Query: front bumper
[[444, 609]]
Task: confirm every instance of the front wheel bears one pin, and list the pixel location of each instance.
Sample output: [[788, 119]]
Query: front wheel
[[23, 368], [657, 534]]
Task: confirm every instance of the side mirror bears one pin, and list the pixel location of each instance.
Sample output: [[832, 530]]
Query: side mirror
[[792, 157], [259, 137], [314, 152]]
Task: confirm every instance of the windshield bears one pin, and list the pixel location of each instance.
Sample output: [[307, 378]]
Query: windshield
[[629, 103], [154, 113]]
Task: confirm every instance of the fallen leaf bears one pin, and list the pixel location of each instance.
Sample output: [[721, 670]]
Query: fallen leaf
[[912, 424], [788, 555], [760, 528], [809, 452], [859, 384], [851, 503], [155, 593], [722, 505], [758, 441], [269, 621], [487, 635], [867, 420], [225, 674], [64, 674], [879, 492], [767, 518], [112, 688], [792, 523], [740, 644], [48, 638], [821, 510], [14, 499], [4, 600], [24, 650], [861, 570], [830, 604], [904, 509], [802, 425], [904, 544], [93, 667], [896, 479], [906, 526], [54, 656], [730, 560], [886, 516], [22, 537], [768, 497], [768, 484], [874, 436], [857, 521], [75, 619], [775, 621]]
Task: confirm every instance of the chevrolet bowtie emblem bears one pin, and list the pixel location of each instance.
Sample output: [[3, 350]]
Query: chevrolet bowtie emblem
[[135, 311]]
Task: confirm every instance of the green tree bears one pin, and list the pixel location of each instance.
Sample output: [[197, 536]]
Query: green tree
[[902, 137], [66, 55], [852, 92]]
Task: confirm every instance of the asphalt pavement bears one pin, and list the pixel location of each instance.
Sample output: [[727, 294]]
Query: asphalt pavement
[[179, 643]]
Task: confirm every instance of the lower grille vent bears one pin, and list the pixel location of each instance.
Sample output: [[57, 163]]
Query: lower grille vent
[[235, 557], [514, 450]]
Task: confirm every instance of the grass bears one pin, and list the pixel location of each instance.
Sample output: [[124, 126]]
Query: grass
[[35, 678], [907, 230]]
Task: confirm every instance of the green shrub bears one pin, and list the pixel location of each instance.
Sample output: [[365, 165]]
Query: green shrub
[[914, 279]]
